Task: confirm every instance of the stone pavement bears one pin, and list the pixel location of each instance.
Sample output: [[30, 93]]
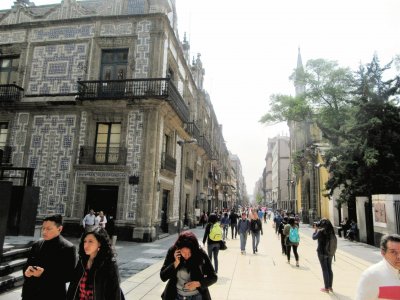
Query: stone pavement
[[264, 275]]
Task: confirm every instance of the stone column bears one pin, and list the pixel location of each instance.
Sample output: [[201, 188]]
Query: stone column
[[361, 219], [145, 230]]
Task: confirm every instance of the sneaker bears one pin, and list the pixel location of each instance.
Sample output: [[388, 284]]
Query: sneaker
[[297, 264], [254, 251], [331, 290], [324, 290]]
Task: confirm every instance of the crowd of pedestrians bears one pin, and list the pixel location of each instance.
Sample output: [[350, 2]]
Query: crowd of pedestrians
[[188, 268]]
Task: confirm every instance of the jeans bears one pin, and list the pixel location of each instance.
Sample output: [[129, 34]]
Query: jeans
[[195, 297], [225, 232], [255, 237], [213, 249], [243, 240], [234, 226], [283, 243], [326, 266]]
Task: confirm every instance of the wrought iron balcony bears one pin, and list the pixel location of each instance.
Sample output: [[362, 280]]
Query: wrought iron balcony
[[5, 155], [10, 93], [154, 88], [168, 162], [206, 146], [193, 130], [102, 156]]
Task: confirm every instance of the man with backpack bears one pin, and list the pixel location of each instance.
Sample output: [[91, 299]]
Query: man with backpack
[[244, 231], [213, 236]]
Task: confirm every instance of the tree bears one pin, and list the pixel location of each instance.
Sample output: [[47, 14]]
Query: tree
[[368, 161], [326, 100]]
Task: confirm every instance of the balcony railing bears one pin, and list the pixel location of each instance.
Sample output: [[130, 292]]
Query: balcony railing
[[5, 155], [102, 156], [10, 93], [188, 174], [193, 130], [206, 146], [154, 88], [168, 162]]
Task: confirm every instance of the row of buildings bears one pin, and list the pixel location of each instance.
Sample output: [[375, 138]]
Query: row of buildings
[[103, 102]]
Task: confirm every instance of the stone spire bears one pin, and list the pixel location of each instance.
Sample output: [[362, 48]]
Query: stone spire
[[299, 84]]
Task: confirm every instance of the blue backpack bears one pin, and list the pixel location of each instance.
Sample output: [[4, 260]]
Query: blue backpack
[[294, 236]]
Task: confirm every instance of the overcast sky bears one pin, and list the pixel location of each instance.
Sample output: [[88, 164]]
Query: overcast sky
[[249, 49]]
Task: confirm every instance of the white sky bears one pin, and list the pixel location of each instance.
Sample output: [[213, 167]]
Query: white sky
[[249, 49]]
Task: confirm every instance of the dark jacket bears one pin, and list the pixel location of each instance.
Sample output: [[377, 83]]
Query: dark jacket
[[106, 281], [322, 238], [256, 226], [202, 272], [57, 257]]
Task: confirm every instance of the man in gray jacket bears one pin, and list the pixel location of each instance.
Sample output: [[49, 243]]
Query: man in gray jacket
[[244, 231]]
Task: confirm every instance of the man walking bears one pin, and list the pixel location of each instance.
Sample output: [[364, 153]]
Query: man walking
[[89, 221], [233, 219], [244, 230], [50, 264]]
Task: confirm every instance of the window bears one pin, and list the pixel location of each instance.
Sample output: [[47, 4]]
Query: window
[[114, 64], [3, 134], [8, 70], [108, 143]]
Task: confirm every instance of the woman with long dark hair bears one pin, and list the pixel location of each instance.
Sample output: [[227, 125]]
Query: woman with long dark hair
[[188, 270], [324, 233], [96, 274]]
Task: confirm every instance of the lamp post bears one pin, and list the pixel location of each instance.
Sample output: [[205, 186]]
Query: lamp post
[[181, 181]]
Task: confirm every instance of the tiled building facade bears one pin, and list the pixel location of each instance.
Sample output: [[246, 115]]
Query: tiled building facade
[[101, 99]]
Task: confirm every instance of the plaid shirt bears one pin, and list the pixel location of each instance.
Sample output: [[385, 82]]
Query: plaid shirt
[[86, 291]]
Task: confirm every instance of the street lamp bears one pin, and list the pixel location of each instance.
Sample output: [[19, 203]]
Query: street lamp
[[181, 181]]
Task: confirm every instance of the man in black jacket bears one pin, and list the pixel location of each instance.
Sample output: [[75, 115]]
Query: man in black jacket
[[50, 264], [233, 219]]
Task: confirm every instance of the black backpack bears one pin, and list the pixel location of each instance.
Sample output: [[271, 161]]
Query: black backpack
[[331, 245]]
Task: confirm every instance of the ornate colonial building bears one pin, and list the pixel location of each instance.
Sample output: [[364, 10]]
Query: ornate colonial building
[[102, 99]]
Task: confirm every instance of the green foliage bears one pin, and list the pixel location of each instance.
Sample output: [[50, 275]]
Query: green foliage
[[368, 160]]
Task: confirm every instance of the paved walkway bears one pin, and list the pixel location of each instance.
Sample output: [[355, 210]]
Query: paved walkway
[[265, 275]]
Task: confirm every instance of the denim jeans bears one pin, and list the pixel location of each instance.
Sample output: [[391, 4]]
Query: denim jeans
[[243, 240], [195, 297], [255, 237], [225, 232], [326, 266], [213, 250]]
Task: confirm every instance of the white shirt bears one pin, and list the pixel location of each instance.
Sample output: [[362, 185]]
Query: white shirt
[[378, 282], [101, 223]]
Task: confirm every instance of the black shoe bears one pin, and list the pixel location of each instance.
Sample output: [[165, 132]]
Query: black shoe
[[256, 249]]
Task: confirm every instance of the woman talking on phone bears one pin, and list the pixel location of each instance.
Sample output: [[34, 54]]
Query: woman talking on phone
[[188, 270]]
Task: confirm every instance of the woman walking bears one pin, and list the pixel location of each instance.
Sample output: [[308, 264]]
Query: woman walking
[[255, 229], [96, 274], [188, 270], [325, 235], [292, 239]]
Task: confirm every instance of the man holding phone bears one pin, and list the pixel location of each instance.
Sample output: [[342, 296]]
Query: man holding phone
[[50, 263]]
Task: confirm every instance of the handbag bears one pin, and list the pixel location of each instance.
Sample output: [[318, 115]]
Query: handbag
[[222, 245]]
